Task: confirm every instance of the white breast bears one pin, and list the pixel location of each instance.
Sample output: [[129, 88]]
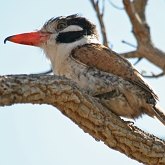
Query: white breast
[[59, 55], [64, 65]]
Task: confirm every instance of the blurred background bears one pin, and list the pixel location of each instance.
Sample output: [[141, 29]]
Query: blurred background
[[40, 134]]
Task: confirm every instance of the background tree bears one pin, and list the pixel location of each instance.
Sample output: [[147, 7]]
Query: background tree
[[85, 111]]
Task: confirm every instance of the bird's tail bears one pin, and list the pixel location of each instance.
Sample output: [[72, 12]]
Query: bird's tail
[[159, 114]]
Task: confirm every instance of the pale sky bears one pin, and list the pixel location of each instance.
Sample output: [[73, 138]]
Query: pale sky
[[40, 134]]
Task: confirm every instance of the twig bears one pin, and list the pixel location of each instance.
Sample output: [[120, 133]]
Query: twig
[[132, 54], [128, 43], [100, 15], [153, 75], [136, 12], [138, 60]]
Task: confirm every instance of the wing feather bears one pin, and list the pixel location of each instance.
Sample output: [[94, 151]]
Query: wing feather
[[102, 58]]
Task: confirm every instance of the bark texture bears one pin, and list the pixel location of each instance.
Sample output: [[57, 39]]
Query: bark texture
[[86, 112]]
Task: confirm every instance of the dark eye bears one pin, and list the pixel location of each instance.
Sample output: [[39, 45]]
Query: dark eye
[[61, 25]]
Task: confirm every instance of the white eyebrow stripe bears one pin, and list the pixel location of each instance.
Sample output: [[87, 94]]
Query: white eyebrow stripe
[[72, 28]]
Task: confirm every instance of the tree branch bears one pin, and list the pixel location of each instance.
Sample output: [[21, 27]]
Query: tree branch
[[153, 75], [136, 12], [86, 112], [132, 54], [100, 15], [145, 49]]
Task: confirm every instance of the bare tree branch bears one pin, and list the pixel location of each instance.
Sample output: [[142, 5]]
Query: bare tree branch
[[128, 43], [145, 49], [135, 11], [153, 75], [132, 54], [86, 112], [138, 60], [141, 31], [100, 15]]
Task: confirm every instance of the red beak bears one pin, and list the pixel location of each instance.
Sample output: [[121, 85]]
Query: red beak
[[32, 38]]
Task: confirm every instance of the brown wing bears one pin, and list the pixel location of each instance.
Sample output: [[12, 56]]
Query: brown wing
[[102, 58]]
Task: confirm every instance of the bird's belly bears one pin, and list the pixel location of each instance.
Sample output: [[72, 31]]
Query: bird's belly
[[94, 81], [109, 89], [91, 80], [117, 94]]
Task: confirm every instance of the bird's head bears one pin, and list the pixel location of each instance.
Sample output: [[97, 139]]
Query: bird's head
[[62, 30]]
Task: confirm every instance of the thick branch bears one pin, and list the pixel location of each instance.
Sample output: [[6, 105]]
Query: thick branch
[[141, 31], [136, 13], [86, 112], [151, 53]]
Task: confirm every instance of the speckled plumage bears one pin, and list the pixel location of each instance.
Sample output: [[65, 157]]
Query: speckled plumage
[[103, 73], [71, 43], [113, 80]]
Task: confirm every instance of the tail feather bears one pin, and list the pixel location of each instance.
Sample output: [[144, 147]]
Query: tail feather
[[159, 114]]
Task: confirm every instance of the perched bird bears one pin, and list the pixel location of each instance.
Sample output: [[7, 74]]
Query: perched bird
[[71, 43]]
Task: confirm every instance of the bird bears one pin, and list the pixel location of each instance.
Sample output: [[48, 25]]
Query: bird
[[72, 45]]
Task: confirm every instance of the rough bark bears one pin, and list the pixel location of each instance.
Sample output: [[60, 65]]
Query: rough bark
[[86, 112]]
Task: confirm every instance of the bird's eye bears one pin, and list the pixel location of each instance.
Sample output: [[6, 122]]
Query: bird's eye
[[61, 25]]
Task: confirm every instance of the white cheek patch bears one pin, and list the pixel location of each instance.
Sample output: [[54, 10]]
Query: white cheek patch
[[72, 28]]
